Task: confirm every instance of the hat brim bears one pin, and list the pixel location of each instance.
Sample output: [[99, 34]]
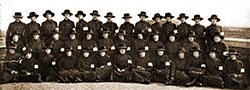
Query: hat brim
[[33, 16], [186, 17], [95, 14], [109, 16], [126, 17], [18, 16], [67, 13], [168, 16], [210, 19], [233, 53], [143, 15], [197, 18], [80, 14], [157, 17], [52, 14]]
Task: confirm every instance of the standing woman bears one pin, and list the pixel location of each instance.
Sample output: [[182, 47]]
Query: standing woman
[[33, 25], [48, 26], [95, 25], [16, 27], [66, 26], [81, 25]]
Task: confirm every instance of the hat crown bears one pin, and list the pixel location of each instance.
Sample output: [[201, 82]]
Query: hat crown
[[160, 48], [191, 33], [143, 13], [126, 14], [157, 15], [32, 13], [214, 16], [48, 11], [197, 16], [67, 11], [95, 12], [79, 12], [195, 49], [18, 14], [182, 15], [182, 50], [168, 14]]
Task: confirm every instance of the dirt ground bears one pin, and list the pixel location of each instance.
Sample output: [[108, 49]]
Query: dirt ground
[[96, 86]]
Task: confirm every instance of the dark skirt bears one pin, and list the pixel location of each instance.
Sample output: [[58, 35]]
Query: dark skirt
[[141, 76], [120, 76], [181, 78], [162, 76], [103, 74]]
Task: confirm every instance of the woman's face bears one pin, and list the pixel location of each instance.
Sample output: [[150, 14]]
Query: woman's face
[[181, 55]]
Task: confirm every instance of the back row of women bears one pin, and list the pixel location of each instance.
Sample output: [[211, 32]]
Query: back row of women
[[92, 51]]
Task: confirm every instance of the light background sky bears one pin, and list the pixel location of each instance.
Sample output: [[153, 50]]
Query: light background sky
[[232, 12]]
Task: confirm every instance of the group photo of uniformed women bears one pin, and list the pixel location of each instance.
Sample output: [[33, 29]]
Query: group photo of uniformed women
[[103, 51]]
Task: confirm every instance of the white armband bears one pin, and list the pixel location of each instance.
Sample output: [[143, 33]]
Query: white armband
[[79, 47], [109, 64], [150, 64], [62, 50], [167, 63], [129, 61]]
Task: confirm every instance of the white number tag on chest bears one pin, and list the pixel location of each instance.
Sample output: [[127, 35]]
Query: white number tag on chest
[[85, 29], [79, 47], [95, 49], [150, 64], [167, 63], [53, 63], [92, 66], [203, 65], [242, 70], [129, 61], [109, 64], [220, 67], [36, 66]]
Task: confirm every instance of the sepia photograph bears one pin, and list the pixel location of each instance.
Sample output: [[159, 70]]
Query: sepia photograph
[[124, 45]]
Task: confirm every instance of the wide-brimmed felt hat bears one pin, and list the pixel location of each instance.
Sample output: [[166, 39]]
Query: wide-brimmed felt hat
[[157, 15], [48, 12], [67, 11], [142, 49], [213, 49], [172, 33], [182, 15], [87, 49], [18, 15], [160, 48], [12, 46], [196, 49], [168, 15], [36, 32], [102, 49], [121, 32], [197, 16], [191, 34], [126, 15], [218, 34], [89, 32], [105, 31], [32, 14], [109, 14], [182, 50], [122, 46], [95, 12], [68, 48], [143, 13], [80, 13], [233, 52], [214, 17]]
